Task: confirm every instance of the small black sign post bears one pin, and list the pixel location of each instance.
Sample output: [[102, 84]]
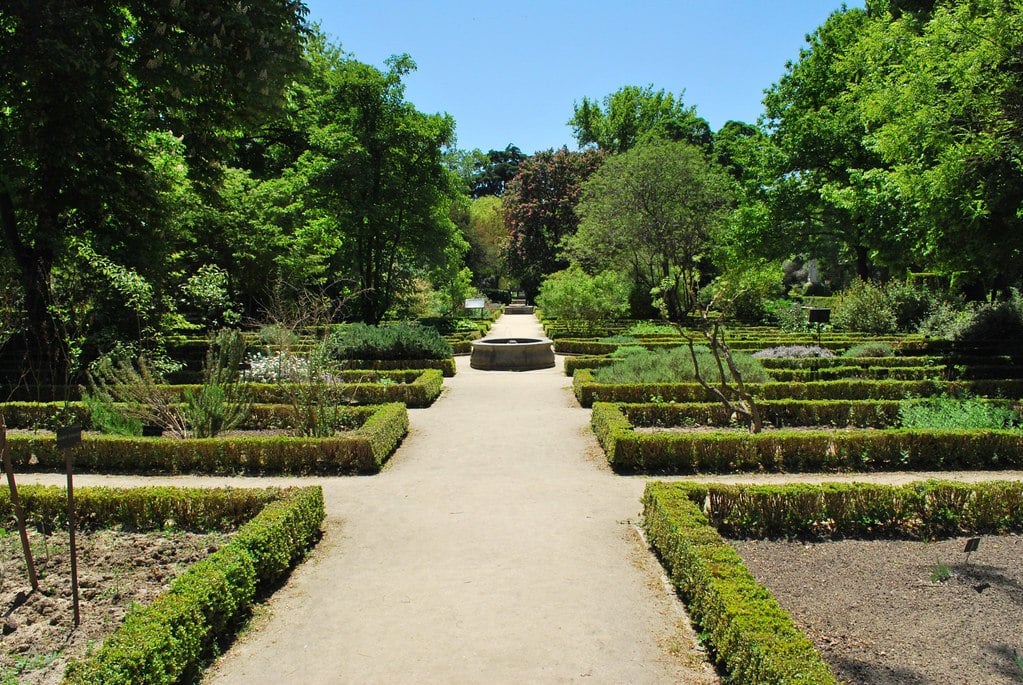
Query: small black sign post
[[67, 439], [19, 512], [819, 316], [971, 546]]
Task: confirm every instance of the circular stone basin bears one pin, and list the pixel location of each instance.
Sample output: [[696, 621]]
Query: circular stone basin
[[512, 354]]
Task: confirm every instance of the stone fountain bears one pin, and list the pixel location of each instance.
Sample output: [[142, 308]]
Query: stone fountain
[[512, 354]]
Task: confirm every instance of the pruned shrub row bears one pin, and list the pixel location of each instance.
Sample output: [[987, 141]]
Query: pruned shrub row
[[798, 451], [779, 413], [146, 508], [899, 373], [363, 450], [446, 365], [587, 391], [169, 639], [923, 510], [906, 373], [572, 364], [750, 635], [51, 415]]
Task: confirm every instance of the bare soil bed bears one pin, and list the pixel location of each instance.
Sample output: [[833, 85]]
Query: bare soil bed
[[115, 570], [878, 618]]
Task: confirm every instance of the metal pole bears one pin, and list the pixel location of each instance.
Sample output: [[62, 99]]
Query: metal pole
[[19, 512]]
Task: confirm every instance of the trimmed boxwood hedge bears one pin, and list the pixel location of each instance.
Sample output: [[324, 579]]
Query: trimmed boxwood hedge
[[797, 451], [779, 413], [363, 450], [144, 508], [750, 636], [923, 510], [168, 640], [588, 391]]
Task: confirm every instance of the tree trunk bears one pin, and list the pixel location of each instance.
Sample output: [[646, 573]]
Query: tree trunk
[[862, 262], [46, 354]]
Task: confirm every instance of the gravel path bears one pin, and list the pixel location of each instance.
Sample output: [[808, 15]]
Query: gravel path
[[495, 547]]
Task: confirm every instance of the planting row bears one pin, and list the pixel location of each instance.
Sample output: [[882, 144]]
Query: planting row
[[588, 390], [793, 450], [362, 450]]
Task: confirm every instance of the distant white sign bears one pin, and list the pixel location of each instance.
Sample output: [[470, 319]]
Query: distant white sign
[[475, 303]]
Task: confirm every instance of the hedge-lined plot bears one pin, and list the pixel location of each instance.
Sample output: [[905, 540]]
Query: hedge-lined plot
[[169, 639], [753, 639], [414, 387], [787, 450], [363, 450], [588, 391], [749, 634]]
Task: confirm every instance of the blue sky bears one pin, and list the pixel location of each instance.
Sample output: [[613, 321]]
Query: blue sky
[[510, 72]]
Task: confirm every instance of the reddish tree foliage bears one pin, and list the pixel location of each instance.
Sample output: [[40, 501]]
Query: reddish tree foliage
[[540, 210]]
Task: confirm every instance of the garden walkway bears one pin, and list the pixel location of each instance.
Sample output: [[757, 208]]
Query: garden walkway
[[496, 547]]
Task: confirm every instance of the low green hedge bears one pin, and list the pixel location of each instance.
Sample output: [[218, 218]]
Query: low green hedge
[[751, 637], [168, 640], [588, 391], [145, 508], [363, 450], [900, 373], [446, 365], [779, 413], [923, 510], [586, 362], [51, 415], [798, 451]]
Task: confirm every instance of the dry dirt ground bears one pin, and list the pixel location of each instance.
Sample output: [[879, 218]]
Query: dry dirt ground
[[903, 613], [115, 570]]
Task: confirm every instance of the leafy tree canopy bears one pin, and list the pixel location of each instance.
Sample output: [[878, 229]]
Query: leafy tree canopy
[[655, 212], [539, 206], [632, 115]]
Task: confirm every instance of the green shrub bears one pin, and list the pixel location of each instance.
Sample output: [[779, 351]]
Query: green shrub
[[639, 365], [574, 295], [799, 451], [956, 413], [994, 322], [865, 307], [387, 342], [361, 451], [651, 328], [870, 349]]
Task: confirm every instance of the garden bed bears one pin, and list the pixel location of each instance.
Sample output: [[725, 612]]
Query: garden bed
[[115, 570], [363, 450], [874, 613]]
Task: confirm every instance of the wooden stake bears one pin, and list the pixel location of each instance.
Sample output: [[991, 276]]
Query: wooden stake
[[19, 513], [67, 438]]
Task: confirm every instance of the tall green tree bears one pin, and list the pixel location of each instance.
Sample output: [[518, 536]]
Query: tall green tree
[[372, 185], [828, 193], [654, 212], [634, 114], [84, 85], [539, 205], [486, 234], [949, 120]]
